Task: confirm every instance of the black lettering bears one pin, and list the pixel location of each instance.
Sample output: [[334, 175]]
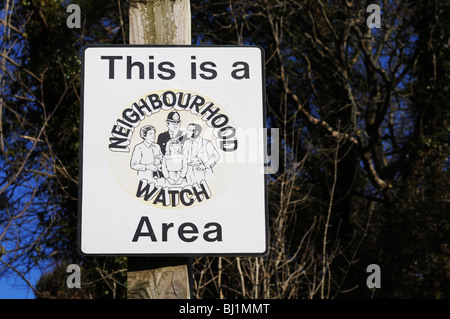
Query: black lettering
[[182, 231], [208, 70], [217, 231], [130, 64], [169, 101], [186, 200], [215, 120], [193, 69], [208, 108], [165, 228], [228, 142], [231, 130], [118, 130], [131, 116], [148, 191], [118, 144], [198, 101], [166, 70], [124, 124], [161, 198], [111, 59], [244, 69], [228, 145], [183, 97], [151, 68], [204, 190], [139, 233], [143, 109], [154, 101], [174, 196]]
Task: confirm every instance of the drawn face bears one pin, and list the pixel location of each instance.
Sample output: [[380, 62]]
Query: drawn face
[[150, 136], [173, 127], [174, 148], [190, 131]]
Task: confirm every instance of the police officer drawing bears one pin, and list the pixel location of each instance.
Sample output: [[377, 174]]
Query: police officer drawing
[[173, 125]]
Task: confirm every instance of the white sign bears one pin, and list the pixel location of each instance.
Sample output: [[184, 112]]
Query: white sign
[[172, 159]]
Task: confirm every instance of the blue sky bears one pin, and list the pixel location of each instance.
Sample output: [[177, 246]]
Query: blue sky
[[13, 287]]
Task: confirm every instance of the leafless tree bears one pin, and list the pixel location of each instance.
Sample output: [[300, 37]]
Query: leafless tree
[[322, 49]]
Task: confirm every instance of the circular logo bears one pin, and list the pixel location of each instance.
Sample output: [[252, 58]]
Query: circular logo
[[171, 149]]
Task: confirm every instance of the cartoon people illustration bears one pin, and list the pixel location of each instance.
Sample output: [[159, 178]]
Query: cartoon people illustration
[[146, 158], [174, 163], [200, 154], [181, 163], [173, 125]]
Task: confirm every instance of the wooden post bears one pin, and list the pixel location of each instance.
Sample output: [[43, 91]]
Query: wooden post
[[159, 22], [159, 278]]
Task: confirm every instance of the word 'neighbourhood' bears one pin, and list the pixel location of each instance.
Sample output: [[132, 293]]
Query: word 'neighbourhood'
[[153, 103]]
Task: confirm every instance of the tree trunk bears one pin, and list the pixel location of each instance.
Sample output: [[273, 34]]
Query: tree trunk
[[160, 22]]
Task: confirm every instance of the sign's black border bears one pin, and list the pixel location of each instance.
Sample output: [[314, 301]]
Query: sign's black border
[[80, 172]]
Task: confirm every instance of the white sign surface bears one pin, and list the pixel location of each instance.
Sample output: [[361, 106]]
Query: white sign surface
[[172, 146]]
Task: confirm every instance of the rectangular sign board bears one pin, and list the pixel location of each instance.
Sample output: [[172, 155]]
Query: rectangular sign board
[[172, 147]]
